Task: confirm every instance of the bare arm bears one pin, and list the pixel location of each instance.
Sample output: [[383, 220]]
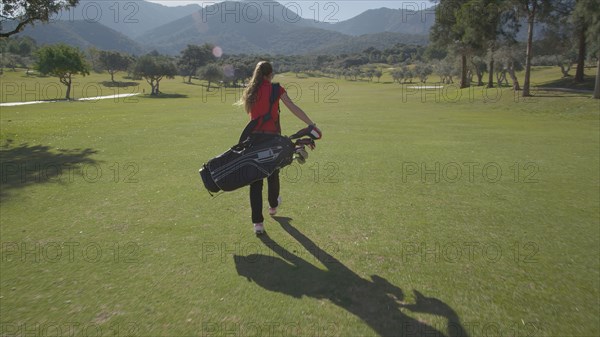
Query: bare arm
[[296, 109]]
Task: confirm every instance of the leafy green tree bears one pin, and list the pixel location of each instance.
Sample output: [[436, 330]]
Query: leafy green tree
[[446, 69], [93, 57], [25, 12], [481, 20], [433, 52], [194, 57], [211, 73], [392, 59], [423, 70], [509, 56], [532, 10], [408, 74], [355, 72], [449, 32], [63, 62], [11, 61], [113, 62], [479, 67], [378, 73], [243, 71], [17, 52], [369, 73], [567, 26], [402, 74], [589, 14], [397, 75], [153, 68], [469, 28], [557, 45], [22, 46]]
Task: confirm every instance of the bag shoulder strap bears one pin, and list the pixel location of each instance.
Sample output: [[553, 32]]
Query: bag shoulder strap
[[272, 100], [263, 119]]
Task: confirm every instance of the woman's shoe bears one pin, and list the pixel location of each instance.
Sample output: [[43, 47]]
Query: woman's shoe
[[273, 210], [259, 228]]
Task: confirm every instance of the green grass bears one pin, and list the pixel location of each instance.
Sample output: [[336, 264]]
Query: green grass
[[177, 262]]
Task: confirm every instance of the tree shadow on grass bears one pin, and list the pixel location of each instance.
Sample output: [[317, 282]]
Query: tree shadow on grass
[[161, 95], [569, 83], [110, 84], [24, 165], [376, 302]]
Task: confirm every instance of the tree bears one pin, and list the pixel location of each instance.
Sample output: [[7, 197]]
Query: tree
[[482, 22], [591, 16], [12, 61], [445, 69], [577, 11], [63, 62], [370, 73], [557, 41], [378, 73], [194, 57], [355, 72], [531, 10], [479, 67], [392, 59], [587, 14], [509, 56], [243, 71], [423, 71], [113, 61], [153, 68], [448, 32], [93, 57], [22, 46], [397, 75], [211, 73], [17, 52], [24, 12]]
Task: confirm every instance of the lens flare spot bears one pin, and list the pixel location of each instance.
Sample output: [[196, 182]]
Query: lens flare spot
[[217, 51]]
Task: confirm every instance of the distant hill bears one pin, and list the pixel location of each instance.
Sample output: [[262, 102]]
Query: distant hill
[[381, 41], [237, 35], [387, 20], [253, 33], [83, 35], [131, 18], [405, 21]]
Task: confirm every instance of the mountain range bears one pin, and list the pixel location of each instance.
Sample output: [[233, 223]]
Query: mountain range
[[83, 35], [131, 18], [237, 27], [254, 31]]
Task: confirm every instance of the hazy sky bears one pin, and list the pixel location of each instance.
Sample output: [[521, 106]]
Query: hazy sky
[[327, 11]]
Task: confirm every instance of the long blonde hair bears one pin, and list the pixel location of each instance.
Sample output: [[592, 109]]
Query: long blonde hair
[[249, 97]]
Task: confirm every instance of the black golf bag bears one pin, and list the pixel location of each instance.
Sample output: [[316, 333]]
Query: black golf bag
[[255, 159], [257, 155]]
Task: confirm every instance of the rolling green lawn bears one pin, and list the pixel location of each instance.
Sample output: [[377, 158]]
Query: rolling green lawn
[[420, 212]]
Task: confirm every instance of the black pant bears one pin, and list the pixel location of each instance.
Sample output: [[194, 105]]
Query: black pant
[[256, 202]]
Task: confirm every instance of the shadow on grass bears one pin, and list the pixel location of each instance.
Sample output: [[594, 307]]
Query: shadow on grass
[[376, 302], [166, 96], [110, 84], [569, 83], [25, 165]]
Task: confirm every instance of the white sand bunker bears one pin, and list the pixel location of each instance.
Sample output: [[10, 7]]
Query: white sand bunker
[[80, 99]]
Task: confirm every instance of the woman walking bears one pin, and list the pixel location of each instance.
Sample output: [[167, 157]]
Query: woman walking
[[257, 103]]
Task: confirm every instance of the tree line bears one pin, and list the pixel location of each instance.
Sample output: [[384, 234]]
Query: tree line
[[194, 62], [486, 29], [469, 39]]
